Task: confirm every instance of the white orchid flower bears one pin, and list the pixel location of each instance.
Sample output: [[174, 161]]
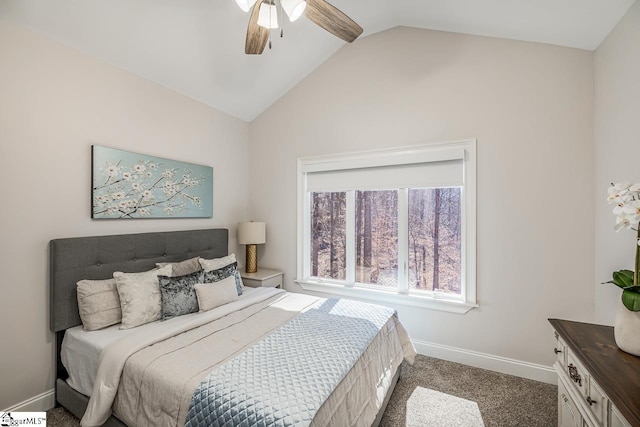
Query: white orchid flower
[[633, 207], [620, 209], [618, 191], [621, 226], [621, 186], [627, 210], [622, 222]]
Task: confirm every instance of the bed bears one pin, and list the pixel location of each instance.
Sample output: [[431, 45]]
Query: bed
[[260, 317]]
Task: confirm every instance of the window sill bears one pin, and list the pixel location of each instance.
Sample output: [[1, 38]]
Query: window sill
[[383, 296]]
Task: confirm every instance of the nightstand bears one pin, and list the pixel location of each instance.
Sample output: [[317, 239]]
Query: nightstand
[[264, 277]]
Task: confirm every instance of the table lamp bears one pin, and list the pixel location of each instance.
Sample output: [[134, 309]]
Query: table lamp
[[251, 234]]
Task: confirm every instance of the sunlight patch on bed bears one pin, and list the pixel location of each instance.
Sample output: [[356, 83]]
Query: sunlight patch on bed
[[426, 407]]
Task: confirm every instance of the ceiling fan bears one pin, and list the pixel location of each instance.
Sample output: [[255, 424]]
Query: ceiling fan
[[265, 13]]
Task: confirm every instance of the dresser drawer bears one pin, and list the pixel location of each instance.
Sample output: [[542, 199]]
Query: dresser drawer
[[577, 374], [597, 401], [590, 392], [568, 414], [560, 350]]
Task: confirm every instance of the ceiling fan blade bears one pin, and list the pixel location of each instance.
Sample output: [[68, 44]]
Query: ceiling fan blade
[[333, 20], [257, 36]]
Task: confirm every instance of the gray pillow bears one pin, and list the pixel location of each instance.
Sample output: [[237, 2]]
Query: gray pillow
[[223, 273], [183, 267], [178, 294], [98, 303]]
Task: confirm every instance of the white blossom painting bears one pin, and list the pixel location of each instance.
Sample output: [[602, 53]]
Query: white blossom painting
[[131, 185]]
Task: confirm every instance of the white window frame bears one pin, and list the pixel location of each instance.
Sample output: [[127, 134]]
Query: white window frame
[[349, 288]]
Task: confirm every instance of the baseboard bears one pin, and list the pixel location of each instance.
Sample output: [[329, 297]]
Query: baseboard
[[40, 403], [504, 365]]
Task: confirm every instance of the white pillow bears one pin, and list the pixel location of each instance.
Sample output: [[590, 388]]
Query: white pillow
[[98, 303], [216, 263], [182, 268], [212, 295], [140, 297]]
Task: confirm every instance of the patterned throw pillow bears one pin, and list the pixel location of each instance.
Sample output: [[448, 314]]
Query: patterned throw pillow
[[218, 268], [140, 296], [178, 294], [98, 303]]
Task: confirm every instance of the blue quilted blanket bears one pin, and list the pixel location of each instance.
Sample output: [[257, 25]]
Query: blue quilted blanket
[[283, 379]]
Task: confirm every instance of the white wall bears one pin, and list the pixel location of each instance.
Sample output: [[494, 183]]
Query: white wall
[[617, 144], [529, 105], [55, 103]]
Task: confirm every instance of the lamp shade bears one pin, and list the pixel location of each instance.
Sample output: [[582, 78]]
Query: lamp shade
[[294, 8], [268, 16], [252, 233], [245, 5]]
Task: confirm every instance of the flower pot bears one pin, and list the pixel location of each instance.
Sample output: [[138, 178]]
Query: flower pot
[[627, 330]]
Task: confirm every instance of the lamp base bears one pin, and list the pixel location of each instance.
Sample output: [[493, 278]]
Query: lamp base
[[251, 265]]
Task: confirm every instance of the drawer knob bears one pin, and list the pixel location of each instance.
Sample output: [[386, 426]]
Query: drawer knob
[[556, 351], [590, 401], [574, 375]]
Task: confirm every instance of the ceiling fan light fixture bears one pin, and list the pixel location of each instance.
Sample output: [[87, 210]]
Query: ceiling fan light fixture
[[245, 5], [294, 8], [268, 16]]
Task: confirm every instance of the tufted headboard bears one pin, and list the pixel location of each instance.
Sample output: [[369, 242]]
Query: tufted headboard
[[78, 258]]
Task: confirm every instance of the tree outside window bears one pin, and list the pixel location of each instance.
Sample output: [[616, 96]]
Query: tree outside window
[[433, 234]]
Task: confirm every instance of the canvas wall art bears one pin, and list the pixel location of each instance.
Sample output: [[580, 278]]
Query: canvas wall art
[[131, 185]]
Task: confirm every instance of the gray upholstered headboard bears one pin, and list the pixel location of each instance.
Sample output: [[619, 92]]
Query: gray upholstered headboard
[[78, 258]]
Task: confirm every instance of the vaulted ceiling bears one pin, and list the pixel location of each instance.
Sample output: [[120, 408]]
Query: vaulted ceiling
[[196, 47]]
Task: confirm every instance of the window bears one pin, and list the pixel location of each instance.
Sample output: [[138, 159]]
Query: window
[[329, 242], [395, 225]]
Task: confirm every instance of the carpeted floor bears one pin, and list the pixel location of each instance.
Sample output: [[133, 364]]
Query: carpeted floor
[[503, 400], [438, 393]]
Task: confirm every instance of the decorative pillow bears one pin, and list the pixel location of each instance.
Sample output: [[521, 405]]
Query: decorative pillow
[[182, 268], [224, 272], [212, 295], [178, 294], [140, 298], [98, 303], [217, 263]]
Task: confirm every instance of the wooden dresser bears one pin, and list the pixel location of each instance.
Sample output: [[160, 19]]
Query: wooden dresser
[[598, 384]]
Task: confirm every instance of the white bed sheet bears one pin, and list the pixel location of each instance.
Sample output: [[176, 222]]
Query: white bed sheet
[[81, 349]]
